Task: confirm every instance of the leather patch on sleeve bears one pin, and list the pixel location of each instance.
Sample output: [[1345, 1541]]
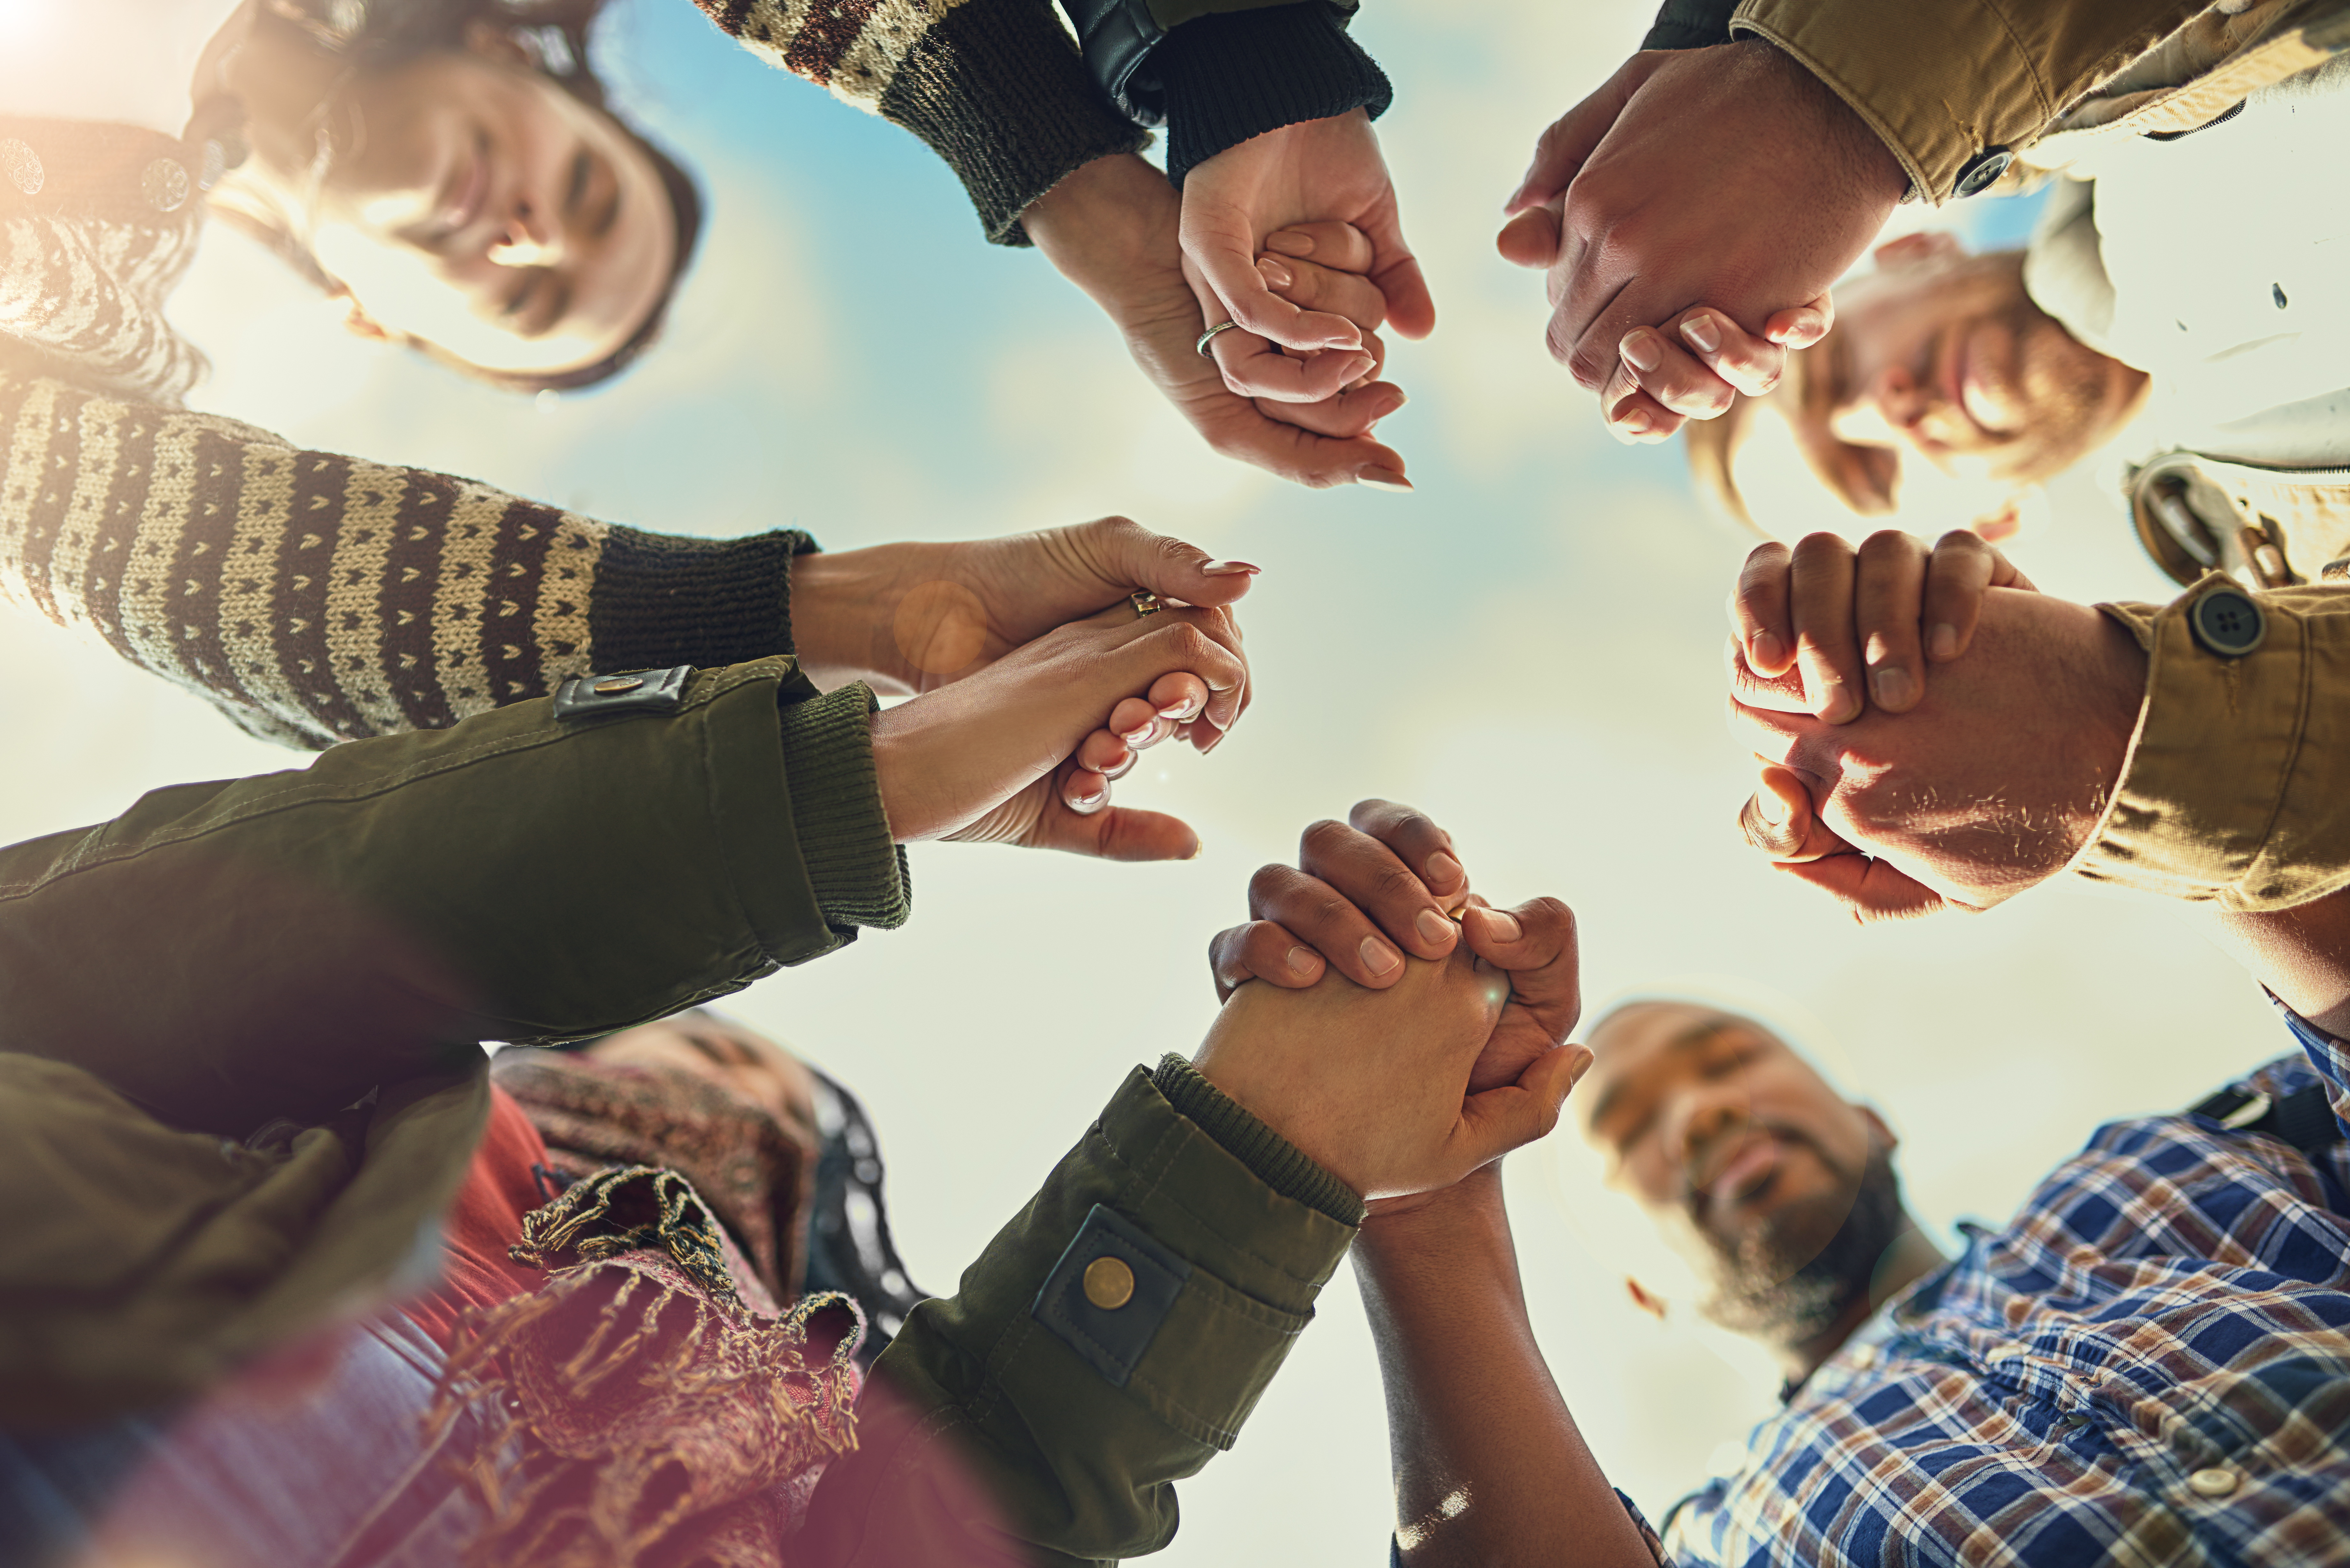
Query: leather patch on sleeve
[[1108, 1295]]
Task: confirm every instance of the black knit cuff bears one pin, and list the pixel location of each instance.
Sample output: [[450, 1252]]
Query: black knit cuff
[[1274, 1159], [660, 600], [858, 872], [1690, 24], [1238, 74], [997, 89]]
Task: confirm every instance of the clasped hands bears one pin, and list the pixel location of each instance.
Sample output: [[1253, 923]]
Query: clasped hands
[[1933, 733]]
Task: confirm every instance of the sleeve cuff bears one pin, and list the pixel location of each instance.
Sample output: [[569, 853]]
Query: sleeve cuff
[[1271, 1158], [1690, 24], [2231, 793], [1234, 75], [661, 601], [858, 871], [996, 89]]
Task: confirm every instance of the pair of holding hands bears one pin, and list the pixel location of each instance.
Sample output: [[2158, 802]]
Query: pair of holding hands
[[1034, 680], [1899, 794]]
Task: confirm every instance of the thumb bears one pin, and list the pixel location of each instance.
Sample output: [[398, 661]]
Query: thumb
[[1123, 834], [1499, 1120], [1532, 238], [1779, 820], [1123, 551]]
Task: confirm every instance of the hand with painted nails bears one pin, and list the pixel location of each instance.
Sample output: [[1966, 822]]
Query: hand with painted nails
[[1694, 366], [1989, 784], [1728, 176], [1384, 886], [1113, 228], [915, 618], [1858, 627], [1397, 1090], [1319, 267], [1020, 753]]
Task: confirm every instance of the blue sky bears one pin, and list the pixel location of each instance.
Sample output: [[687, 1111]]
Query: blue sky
[[1529, 647]]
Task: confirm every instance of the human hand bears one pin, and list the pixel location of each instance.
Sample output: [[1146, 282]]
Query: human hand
[[1317, 171], [1017, 754], [1112, 228], [914, 617], [1729, 176], [1381, 1088], [1988, 786], [1827, 612], [1693, 366]]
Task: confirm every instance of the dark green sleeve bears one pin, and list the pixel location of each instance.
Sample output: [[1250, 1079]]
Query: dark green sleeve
[[314, 598], [1010, 1423], [229, 952], [1690, 24]]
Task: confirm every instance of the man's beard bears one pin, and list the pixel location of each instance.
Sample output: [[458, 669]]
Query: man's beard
[[1789, 1279]]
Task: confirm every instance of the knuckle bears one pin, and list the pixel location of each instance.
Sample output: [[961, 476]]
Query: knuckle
[[1817, 548], [1323, 836], [1264, 886], [1888, 544]]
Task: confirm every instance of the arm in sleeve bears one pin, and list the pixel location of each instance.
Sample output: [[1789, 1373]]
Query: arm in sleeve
[[317, 598], [1690, 24], [1228, 73], [224, 953], [2235, 788], [1018, 1420], [1943, 82], [994, 87]]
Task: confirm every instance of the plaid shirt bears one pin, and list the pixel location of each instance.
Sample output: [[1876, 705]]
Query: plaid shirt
[[2149, 1364]]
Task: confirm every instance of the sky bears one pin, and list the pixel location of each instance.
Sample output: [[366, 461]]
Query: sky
[[1529, 647]]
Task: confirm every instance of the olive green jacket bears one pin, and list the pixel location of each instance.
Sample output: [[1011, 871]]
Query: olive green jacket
[[241, 1075]]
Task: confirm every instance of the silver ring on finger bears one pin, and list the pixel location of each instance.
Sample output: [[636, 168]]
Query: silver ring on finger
[[1210, 337]]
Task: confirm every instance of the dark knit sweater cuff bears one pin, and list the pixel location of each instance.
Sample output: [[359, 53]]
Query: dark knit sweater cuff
[[858, 872], [1271, 1158], [660, 600], [998, 90], [1239, 74], [1690, 24]]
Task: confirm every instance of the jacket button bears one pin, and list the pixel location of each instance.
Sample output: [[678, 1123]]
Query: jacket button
[[613, 685], [22, 165], [1979, 172], [164, 184], [1110, 1283], [2213, 1482], [2227, 621]]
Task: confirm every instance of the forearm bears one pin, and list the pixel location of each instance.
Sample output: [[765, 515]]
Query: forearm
[[1489, 1466], [1017, 1421], [316, 598]]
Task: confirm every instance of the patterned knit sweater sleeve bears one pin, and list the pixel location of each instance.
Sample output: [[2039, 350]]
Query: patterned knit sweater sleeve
[[995, 87], [317, 598]]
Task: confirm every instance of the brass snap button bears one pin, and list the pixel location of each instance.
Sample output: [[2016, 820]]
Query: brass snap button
[[2213, 1482], [22, 165], [1110, 1283], [613, 685]]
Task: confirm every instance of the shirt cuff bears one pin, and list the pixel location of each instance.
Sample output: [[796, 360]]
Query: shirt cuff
[[660, 600], [854, 862], [1235, 75], [2236, 788], [1275, 1160]]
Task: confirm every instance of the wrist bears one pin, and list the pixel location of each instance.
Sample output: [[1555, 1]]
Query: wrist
[[1097, 226], [843, 603]]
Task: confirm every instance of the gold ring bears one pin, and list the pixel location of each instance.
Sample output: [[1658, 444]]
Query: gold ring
[[1145, 603], [1210, 337]]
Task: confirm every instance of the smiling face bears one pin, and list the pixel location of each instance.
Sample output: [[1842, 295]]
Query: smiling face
[[469, 202], [1939, 359], [1780, 1189]]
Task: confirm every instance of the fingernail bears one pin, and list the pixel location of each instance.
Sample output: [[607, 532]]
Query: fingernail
[[1290, 244], [1197, 845], [1433, 927], [1942, 642], [1504, 926], [1301, 959], [1771, 808], [1575, 1074], [1639, 349], [1700, 332], [1378, 957], [1228, 570], [1636, 422], [1180, 710], [1766, 650], [1838, 704], [1381, 478], [1443, 869], [1135, 737], [1892, 687], [1275, 272], [1088, 804]]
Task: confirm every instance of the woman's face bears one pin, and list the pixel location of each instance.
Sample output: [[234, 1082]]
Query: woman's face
[[475, 204]]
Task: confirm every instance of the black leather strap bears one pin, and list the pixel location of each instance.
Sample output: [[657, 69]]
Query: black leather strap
[[2303, 1119], [1117, 36]]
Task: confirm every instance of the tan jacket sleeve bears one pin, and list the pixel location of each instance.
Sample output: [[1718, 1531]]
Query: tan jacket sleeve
[[1942, 82], [2236, 789]]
